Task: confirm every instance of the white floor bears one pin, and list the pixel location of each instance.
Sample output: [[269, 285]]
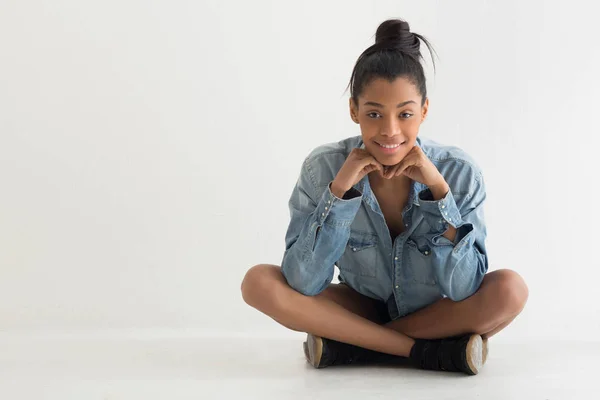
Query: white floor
[[131, 366]]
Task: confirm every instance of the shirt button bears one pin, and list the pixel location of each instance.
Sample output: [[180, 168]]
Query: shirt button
[[450, 219], [405, 224], [354, 249], [326, 208], [426, 252], [395, 258], [446, 213], [443, 206], [396, 286], [323, 214], [328, 201]]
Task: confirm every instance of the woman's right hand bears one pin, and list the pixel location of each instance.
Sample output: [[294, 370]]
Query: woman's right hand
[[358, 164]]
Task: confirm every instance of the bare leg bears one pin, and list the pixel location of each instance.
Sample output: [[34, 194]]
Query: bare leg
[[265, 289], [497, 329], [342, 314], [498, 301]]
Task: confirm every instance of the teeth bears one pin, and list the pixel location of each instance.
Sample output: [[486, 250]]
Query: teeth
[[389, 147]]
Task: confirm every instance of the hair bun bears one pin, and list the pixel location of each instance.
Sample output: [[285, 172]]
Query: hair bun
[[395, 34], [392, 29]]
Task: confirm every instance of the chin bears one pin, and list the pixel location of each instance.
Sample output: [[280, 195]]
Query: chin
[[388, 164], [389, 161]]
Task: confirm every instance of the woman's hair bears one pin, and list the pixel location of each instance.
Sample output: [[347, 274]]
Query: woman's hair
[[396, 53]]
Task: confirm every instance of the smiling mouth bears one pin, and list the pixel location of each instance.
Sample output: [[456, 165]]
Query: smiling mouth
[[390, 146]]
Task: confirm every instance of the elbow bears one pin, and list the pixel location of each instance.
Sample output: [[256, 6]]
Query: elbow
[[459, 291], [300, 280], [463, 285], [301, 283], [455, 294]]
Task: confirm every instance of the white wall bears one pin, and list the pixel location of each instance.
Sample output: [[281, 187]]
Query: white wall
[[148, 149]]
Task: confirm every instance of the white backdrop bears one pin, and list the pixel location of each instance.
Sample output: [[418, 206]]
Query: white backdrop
[[148, 149]]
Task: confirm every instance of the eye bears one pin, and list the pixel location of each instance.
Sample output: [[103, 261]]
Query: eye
[[373, 114], [406, 115]]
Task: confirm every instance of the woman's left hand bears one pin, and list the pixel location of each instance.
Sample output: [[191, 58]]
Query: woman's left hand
[[418, 167]]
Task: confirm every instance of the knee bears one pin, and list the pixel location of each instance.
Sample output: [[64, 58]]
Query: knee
[[259, 286], [509, 293]]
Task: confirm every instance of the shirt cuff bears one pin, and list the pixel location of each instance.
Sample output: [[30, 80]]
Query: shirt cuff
[[439, 213], [336, 211]]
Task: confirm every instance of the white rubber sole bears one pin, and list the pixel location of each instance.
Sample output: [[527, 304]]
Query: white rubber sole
[[475, 353], [314, 349], [485, 350], [305, 347]]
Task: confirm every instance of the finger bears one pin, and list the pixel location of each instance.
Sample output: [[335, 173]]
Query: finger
[[383, 171], [388, 171], [380, 169], [403, 165], [370, 168], [394, 168], [404, 168], [376, 164]]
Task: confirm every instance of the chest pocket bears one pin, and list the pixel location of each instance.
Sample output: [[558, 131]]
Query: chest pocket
[[419, 257], [361, 254]]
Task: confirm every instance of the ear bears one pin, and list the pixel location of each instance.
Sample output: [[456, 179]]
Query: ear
[[353, 110], [424, 109]]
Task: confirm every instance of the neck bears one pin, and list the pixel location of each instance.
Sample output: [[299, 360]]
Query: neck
[[393, 184]]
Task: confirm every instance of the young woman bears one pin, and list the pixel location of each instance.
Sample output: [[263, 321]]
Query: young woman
[[402, 217]]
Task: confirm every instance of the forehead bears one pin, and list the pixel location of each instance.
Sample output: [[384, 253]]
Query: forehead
[[383, 91]]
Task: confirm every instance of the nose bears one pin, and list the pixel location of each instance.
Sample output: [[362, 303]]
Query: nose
[[390, 127]]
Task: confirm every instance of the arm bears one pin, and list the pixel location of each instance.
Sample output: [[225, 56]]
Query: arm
[[460, 259], [438, 193], [317, 234]]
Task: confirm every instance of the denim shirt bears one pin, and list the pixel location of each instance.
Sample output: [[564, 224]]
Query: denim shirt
[[415, 269]]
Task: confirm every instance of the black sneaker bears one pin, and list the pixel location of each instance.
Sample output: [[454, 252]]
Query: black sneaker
[[457, 354], [322, 352]]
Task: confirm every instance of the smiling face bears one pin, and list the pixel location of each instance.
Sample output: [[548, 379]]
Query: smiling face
[[389, 113]]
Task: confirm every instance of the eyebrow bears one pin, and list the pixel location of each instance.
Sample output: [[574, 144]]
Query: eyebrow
[[372, 103]]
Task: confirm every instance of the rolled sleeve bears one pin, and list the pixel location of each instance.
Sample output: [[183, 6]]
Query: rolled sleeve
[[338, 211], [460, 265], [317, 234], [442, 213]]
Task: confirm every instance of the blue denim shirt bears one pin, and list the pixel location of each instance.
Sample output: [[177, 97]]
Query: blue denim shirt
[[417, 268]]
